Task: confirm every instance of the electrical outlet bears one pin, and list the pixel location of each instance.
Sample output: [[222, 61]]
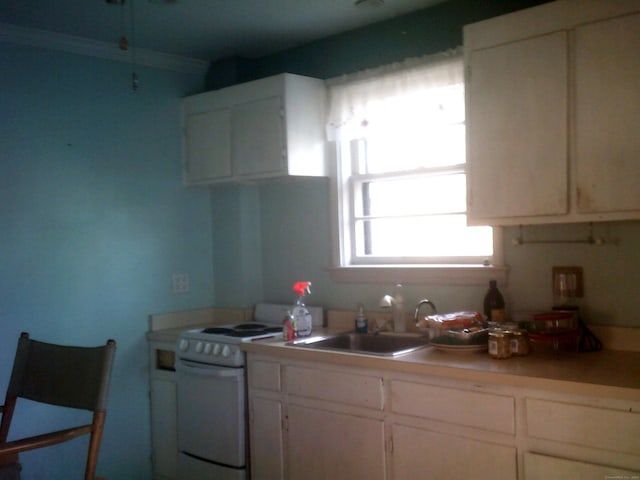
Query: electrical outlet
[[567, 282], [180, 282]]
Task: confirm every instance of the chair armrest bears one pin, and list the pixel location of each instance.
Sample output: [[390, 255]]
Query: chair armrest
[[38, 441]]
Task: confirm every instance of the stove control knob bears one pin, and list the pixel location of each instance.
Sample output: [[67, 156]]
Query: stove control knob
[[226, 351], [207, 349], [216, 349], [183, 345], [199, 347]]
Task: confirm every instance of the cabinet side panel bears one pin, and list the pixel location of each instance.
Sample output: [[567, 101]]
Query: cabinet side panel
[[305, 108]]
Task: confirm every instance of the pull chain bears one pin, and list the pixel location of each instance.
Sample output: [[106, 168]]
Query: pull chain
[[134, 76]]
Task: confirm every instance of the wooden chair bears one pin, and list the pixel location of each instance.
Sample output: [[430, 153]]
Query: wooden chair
[[66, 376]]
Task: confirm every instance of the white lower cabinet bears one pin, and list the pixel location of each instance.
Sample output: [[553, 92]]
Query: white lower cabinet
[[420, 453], [324, 445], [163, 406], [317, 421], [543, 467], [266, 422], [164, 438], [267, 453]]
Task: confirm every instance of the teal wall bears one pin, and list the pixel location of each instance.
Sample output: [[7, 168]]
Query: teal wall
[[423, 32], [93, 221]]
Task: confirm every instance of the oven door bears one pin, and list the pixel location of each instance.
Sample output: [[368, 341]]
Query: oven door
[[211, 414]]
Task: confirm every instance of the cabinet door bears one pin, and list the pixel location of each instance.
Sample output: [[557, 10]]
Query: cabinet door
[[164, 439], [541, 467], [517, 129], [207, 146], [266, 439], [608, 115], [419, 453], [258, 137], [324, 445]]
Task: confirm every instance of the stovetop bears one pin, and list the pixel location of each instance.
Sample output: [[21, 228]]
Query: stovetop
[[243, 330], [220, 344]]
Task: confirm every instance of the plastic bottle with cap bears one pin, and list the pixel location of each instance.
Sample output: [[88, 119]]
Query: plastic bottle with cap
[[361, 322]]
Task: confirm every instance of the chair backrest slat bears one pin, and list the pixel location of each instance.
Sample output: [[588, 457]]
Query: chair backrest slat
[[76, 377]]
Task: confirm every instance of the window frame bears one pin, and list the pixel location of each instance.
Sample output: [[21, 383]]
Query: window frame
[[346, 267]]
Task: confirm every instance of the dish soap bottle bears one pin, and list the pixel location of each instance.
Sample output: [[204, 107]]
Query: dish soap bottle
[[288, 333], [301, 316], [494, 304], [362, 324]]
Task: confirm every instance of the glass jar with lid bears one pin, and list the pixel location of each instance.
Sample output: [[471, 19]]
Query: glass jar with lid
[[499, 344], [519, 343]]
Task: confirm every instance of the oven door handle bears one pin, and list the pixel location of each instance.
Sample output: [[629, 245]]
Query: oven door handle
[[186, 367]]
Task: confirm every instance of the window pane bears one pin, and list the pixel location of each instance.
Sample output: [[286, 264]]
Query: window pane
[[421, 130], [446, 236], [418, 195]]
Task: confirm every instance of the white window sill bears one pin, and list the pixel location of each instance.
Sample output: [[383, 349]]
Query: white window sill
[[419, 274]]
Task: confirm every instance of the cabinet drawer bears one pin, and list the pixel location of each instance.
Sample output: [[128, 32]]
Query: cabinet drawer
[[612, 430], [541, 467], [461, 407], [349, 388], [265, 376]]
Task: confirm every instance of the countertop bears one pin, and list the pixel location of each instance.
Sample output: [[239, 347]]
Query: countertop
[[607, 373]]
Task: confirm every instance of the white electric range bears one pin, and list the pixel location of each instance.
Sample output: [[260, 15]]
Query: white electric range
[[212, 423]]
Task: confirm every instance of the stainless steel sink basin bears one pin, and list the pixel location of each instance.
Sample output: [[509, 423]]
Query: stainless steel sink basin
[[387, 345]]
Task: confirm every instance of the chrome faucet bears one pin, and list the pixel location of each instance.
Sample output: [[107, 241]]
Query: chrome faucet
[[424, 301], [396, 303]]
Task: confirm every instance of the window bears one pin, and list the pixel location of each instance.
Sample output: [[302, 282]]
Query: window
[[401, 170]]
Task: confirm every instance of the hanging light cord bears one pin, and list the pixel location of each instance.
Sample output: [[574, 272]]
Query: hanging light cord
[[134, 75]]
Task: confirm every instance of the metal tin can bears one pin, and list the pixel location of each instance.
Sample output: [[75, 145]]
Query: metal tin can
[[519, 343], [499, 344]]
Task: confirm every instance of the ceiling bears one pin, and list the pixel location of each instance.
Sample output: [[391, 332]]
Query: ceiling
[[205, 29]]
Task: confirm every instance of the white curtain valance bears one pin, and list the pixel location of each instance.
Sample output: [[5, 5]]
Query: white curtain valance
[[349, 95]]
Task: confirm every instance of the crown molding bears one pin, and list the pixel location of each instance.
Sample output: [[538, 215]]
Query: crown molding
[[94, 48]]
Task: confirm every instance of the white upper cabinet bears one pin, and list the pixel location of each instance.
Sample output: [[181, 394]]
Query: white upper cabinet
[[553, 114], [207, 136], [608, 115], [518, 128], [268, 128]]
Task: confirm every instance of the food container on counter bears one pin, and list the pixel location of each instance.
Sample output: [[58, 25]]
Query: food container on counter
[[554, 322], [554, 342], [520, 345], [499, 344], [458, 328]]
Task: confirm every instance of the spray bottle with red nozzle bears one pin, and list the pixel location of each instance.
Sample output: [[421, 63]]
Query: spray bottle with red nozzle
[[301, 316]]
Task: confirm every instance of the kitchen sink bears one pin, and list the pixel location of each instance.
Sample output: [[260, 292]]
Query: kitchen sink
[[382, 345]]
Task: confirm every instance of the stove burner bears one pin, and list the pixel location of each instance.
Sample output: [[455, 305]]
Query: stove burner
[[249, 326], [218, 330], [243, 330]]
